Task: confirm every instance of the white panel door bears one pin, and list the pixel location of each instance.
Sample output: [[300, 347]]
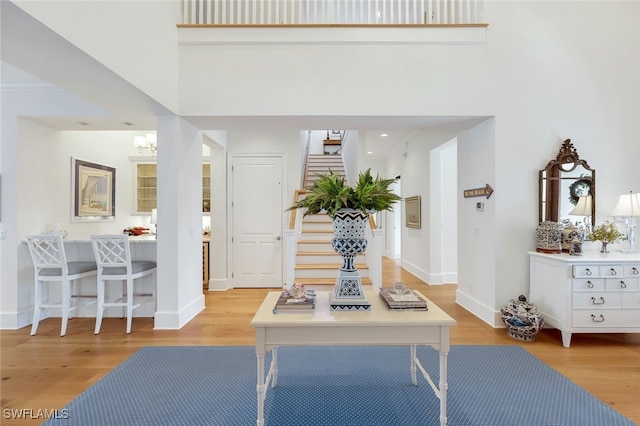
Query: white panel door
[[257, 216]]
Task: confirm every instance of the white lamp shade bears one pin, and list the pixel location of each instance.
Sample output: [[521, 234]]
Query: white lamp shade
[[154, 216], [584, 206], [628, 206]]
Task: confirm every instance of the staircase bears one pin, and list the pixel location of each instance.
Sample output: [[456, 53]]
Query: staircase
[[317, 264], [322, 164]]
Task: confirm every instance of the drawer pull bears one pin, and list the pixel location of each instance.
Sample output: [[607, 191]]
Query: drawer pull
[[599, 318], [634, 271], [623, 284], [613, 272], [587, 271], [595, 301], [590, 284]]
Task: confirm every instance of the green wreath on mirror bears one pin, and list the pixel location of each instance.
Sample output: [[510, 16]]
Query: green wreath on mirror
[[579, 188]]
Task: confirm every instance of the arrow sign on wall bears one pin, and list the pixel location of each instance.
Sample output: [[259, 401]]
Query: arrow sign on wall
[[479, 192]]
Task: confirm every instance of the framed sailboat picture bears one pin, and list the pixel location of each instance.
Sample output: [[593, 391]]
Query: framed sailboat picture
[[93, 191]]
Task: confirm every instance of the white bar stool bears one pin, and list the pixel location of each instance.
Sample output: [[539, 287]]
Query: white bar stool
[[51, 266], [113, 257]]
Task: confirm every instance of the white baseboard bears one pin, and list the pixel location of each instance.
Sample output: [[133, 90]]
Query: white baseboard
[[220, 284], [429, 278], [480, 310], [176, 320], [420, 273], [16, 320]]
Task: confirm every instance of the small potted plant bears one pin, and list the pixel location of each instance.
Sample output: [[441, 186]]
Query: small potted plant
[[606, 233]]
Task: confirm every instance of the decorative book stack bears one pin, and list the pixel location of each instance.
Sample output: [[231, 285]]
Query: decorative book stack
[[402, 301], [301, 305]]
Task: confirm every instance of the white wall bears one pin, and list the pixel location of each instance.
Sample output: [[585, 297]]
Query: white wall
[[352, 153], [285, 143], [38, 100], [45, 178], [135, 40], [179, 253], [443, 212], [479, 245], [315, 141], [416, 249]]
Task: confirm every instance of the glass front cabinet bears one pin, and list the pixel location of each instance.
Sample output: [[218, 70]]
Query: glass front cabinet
[[146, 187]]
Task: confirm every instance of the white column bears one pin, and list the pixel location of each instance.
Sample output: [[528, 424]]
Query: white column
[[179, 292], [218, 253], [10, 312]]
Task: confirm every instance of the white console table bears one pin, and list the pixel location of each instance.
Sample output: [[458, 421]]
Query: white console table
[[379, 326], [592, 293]]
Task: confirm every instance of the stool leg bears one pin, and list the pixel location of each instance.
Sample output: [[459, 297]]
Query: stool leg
[[36, 306], [100, 308], [123, 312], [66, 305], [129, 303]]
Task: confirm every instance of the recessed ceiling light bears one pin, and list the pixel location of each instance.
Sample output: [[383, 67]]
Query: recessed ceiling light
[[369, 152], [384, 135]]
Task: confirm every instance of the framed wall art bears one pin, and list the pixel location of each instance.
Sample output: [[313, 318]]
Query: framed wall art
[[93, 191], [412, 212]]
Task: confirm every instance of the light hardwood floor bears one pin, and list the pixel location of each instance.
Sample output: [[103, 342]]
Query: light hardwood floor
[[47, 371]]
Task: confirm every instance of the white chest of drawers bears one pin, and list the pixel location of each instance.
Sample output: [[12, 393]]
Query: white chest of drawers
[[593, 293]]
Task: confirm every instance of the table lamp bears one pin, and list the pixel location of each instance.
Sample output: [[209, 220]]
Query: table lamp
[[584, 207], [628, 208]]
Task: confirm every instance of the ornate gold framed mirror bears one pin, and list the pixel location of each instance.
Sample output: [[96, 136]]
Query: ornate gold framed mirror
[[567, 188]]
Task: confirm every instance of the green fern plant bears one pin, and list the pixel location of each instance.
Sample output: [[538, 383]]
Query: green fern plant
[[330, 193]]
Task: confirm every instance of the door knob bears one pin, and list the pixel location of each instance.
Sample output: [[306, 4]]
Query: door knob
[[278, 238]]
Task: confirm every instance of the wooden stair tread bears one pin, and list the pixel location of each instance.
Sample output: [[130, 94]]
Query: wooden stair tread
[[317, 231], [314, 242]]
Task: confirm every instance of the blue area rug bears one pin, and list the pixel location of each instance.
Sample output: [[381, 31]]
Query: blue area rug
[[339, 386]]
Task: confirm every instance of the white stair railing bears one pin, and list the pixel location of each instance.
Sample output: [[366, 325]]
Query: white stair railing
[[327, 12]]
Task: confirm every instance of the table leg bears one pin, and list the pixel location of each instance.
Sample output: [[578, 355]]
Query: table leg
[[414, 380], [260, 388], [274, 366], [443, 386]]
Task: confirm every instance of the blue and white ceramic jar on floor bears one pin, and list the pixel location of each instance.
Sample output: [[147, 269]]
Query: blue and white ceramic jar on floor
[[522, 319]]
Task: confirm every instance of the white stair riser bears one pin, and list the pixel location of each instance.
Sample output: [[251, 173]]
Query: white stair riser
[[326, 246], [314, 172], [331, 163], [317, 236], [319, 228], [317, 219]]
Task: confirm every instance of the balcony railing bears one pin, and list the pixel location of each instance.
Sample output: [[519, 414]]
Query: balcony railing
[[331, 12]]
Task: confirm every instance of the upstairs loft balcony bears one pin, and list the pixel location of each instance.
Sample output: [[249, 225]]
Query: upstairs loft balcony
[[332, 13], [332, 21]]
